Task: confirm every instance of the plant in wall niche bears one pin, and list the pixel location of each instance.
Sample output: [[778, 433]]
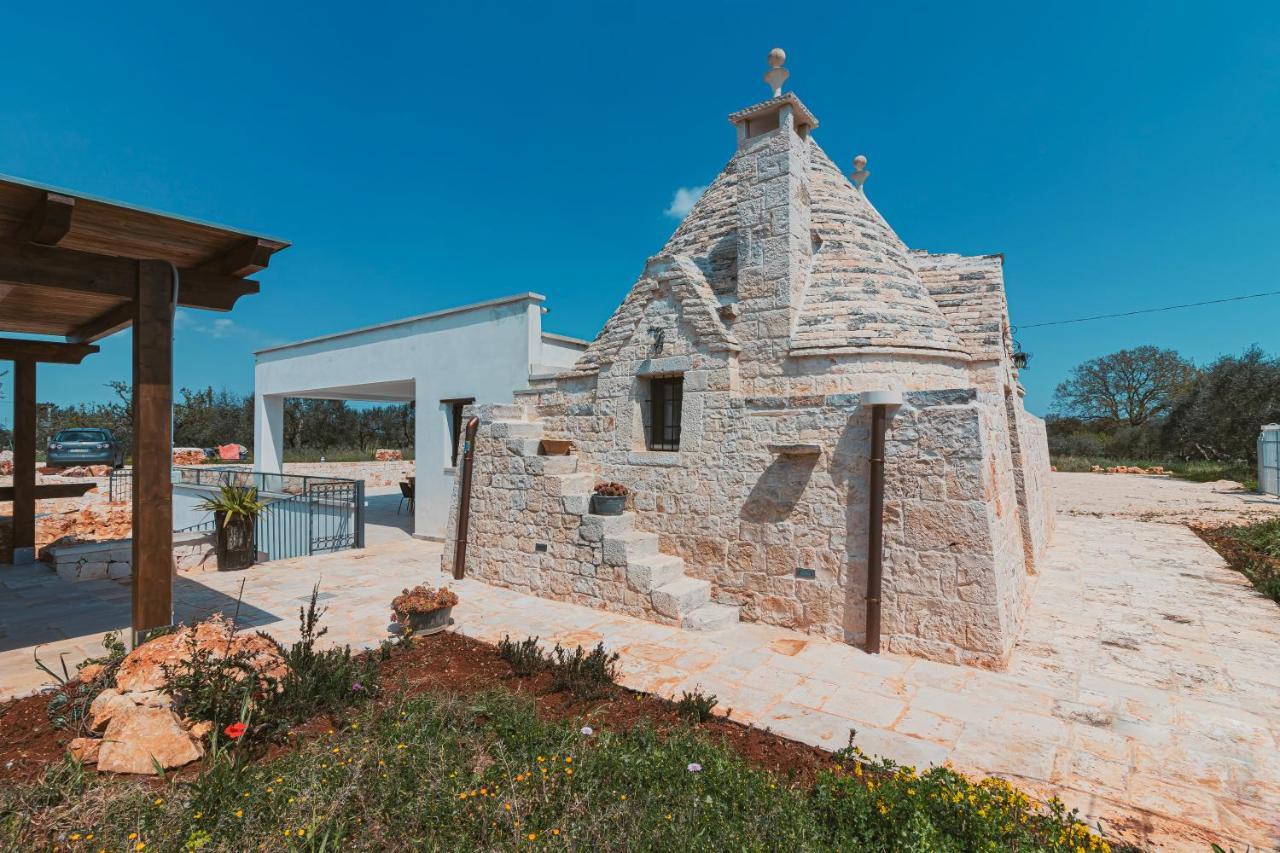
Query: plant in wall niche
[[423, 609], [235, 510], [609, 498]]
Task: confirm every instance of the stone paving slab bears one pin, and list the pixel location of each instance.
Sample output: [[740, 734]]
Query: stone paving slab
[[1144, 691]]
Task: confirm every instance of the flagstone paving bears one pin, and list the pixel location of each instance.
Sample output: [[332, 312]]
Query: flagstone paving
[[1144, 691]]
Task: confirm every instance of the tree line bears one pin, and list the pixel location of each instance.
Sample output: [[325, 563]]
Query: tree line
[[1150, 403], [208, 418]]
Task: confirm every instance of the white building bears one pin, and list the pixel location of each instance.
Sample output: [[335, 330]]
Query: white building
[[440, 362]]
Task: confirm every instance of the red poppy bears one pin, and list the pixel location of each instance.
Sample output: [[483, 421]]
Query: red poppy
[[235, 730]]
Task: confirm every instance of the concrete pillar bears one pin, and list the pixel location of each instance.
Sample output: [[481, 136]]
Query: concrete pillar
[[268, 433]]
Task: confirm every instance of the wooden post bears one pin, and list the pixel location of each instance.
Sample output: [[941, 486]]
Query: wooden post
[[24, 460], [153, 447]]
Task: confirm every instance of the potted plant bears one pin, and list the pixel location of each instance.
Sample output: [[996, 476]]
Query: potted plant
[[609, 499], [423, 609], [235, 509]]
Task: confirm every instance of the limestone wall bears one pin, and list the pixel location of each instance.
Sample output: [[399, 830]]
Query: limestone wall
[[374, 474], [1039, 500]]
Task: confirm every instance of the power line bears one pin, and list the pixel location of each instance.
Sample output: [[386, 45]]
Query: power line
[[1150, 310]]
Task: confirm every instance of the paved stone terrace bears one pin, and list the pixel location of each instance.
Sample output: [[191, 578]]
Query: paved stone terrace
[[1143, 691]]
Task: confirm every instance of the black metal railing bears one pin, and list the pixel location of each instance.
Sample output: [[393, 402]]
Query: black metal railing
[[120, 484], [303, 515]]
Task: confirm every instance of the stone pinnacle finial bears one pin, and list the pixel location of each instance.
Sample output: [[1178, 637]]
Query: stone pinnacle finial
[[860, 174], [776, 75]]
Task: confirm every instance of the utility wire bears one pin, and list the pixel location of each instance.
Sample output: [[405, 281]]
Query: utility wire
[[1150, 310]]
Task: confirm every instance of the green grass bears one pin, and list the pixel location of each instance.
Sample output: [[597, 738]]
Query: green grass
[[1196, 471], [1259, 558], [438, 772]]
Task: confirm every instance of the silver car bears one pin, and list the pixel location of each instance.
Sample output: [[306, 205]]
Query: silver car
[[84, 446]]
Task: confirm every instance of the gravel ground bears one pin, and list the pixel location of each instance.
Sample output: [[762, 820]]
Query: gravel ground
[[1163, 499]]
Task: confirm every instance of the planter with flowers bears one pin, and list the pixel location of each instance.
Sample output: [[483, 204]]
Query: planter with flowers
[[423, 609], [609, 499]]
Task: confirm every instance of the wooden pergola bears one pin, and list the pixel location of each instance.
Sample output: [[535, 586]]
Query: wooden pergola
[[80, 268]]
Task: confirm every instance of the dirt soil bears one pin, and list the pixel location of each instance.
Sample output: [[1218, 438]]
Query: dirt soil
[[1144, 497], [457, 664]]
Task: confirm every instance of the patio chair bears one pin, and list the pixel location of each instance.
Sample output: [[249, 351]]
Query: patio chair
[[406, 494]]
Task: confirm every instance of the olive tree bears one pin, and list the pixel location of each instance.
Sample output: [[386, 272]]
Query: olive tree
[[1131, 387]]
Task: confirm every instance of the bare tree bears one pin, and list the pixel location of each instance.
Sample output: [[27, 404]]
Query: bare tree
[[1131, 386]]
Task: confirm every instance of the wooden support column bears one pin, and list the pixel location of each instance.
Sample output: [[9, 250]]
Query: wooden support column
[[24, 460], [152, 447]]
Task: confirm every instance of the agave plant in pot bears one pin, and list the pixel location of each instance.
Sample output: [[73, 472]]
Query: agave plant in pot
[[235, 510], [423, 609], [609, 499]]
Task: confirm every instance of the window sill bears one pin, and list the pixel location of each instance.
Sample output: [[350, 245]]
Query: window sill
[[660, 458]]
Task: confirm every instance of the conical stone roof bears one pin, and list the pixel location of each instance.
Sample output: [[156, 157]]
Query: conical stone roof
[[863, 289]]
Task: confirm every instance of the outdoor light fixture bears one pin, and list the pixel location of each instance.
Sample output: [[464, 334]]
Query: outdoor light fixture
[[1020, 359]]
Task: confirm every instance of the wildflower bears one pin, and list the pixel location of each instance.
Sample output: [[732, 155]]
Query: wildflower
[[694, 767], [568, 771], [75, 836], [239, 812], [141, 845], [301, 832], [235, 730], [159, 801], [586, 730], [357, 687], [133, 835]]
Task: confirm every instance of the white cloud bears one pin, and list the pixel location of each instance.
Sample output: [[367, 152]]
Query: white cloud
[[683, 201], [221, 327]]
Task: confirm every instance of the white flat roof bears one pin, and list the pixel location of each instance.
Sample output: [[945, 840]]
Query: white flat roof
[[528, 296]]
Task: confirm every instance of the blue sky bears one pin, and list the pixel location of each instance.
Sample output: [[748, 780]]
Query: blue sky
[[1122, 156]]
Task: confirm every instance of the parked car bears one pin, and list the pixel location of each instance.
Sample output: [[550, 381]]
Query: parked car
[[84, 446]]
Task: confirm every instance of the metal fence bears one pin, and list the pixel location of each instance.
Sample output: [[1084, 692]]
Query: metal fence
[[1269, 459], [303, 515]]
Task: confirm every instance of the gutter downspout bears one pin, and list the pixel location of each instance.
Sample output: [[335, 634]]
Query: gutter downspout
[[464, 500], [879, 401]]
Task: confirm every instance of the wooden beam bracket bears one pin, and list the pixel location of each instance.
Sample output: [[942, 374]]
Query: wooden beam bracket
[[49, 221]]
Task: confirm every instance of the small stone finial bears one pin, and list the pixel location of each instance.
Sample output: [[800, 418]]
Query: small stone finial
[[776, 75], [860, 174]]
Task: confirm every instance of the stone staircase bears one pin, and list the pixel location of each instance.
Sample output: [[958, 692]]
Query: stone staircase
[[648, 571]]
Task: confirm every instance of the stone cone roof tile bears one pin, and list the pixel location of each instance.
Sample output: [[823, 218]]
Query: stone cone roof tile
[[864, 289]]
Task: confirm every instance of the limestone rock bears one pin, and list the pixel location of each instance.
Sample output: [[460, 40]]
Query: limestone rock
[[106, 706], [136, 741], [143, 670], [383, 455], [85, 749]]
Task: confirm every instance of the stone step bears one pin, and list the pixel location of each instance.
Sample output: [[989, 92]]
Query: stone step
[[710, 617], [621, 549], [681, 596], [516, 429], [569, 484], [596, 527], [559, 464], [510, 412], [645, 574]]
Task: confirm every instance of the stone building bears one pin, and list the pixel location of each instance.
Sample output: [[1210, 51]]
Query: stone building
[[729, 393]]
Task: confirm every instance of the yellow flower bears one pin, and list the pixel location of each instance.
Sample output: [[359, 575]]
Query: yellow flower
[[401, 746], [555, 832], [288, 832], [301, 832], [133, 835], [159, 801], [568, 771], [141, 845], [198, 815], [75, 836], [239, 812], [507, 806], [533, 836], [623, 797], [568, 759]]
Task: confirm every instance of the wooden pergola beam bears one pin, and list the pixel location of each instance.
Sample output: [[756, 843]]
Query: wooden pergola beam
[[49, 221], [250, 256], [50, 352], [108, 275], [152, 448], [24, 460]]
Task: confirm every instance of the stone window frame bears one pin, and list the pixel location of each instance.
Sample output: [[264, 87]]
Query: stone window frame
[[636, 442]]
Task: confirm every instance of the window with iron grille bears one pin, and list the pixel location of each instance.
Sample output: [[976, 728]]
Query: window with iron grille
[[665, 396]]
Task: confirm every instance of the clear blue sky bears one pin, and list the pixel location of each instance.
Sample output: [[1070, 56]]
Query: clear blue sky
[[1121, 155]]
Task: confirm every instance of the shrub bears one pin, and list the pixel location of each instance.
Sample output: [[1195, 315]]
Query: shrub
[[586, 675], [696, 707], [525, 657], [319, 681], [212, 687]]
